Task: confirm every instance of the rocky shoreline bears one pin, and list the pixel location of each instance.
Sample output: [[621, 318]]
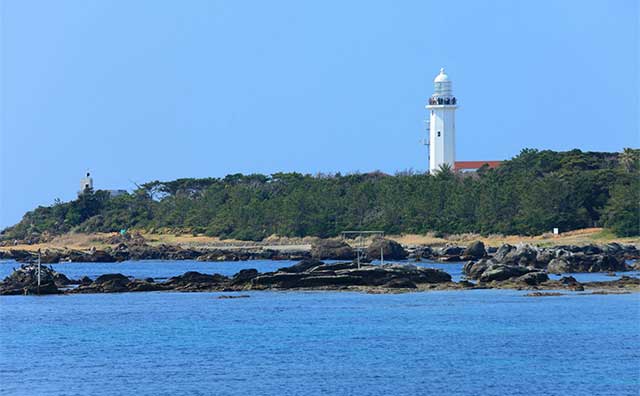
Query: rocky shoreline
[[508, 267], [311, 274], [558, 259]]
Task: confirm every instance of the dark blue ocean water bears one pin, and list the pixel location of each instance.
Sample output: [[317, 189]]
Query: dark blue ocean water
[[481, 342]]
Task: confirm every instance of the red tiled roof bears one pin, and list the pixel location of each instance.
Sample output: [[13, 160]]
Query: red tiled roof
[[458, 165]]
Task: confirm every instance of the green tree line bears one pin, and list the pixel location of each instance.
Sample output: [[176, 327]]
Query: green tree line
[[529, 194]]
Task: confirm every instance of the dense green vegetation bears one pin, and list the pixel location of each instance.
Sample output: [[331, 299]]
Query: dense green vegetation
[[529, 194]]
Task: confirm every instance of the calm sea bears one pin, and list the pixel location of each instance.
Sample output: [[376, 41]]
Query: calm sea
[[482, 342]]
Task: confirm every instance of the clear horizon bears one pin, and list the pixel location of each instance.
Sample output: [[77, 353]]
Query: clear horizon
[[144, 91]]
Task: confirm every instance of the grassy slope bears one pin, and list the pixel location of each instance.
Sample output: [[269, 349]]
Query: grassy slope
[[578, 237]]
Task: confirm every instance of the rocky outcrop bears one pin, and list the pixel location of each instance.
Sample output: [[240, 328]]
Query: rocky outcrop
[[302, 266], [348, 274], [124, 252], [244, 276], [332, 249], [391, 250], [307, 274], [529, 265], [475, 251], [488, 270], [556, 260], [24, 280]]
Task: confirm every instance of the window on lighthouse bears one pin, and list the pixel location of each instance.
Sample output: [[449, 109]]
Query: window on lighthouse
[[438, 133]]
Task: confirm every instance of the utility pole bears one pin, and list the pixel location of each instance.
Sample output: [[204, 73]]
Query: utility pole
[[39, 272]]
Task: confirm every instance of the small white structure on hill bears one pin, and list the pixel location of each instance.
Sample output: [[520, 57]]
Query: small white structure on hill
[[442, 124], [85, 183]]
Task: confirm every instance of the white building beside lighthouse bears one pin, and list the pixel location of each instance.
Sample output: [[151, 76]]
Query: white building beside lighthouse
[[442, 124]]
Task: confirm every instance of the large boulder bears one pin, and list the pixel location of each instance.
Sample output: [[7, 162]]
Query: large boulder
[[544, 256], [499, 272], [452, 251], [502, 252], [522, 255], [533, 278], [473, 269], [391, 250], [197, 279], [331, 249], [244, 276], [558, 266], [475, 251], [111, 277]]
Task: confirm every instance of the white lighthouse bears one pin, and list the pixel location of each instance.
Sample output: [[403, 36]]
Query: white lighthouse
[[442, 124]]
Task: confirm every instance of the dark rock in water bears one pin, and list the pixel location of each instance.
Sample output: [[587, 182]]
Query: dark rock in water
[[196, 280], [142, 286], [499, 272], [24, 280], [568, 280], [114, 286], [244, 276], [85, 280], [391, 250], [332, 249], [149, 280], [327, 281], [348, 274], [61, 280], [302, 266], [111, 277], [544, 294], [100, 256], [452, 250], [466, 283], [45, 288], [474, 269], [558, 266], [425, 252], [400, 283], [502, 252], [475, 250], [231, 296], [279, 279], [543, 257], [522, 255], [533, 278]]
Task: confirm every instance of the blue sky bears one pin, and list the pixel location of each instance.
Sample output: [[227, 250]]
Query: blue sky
[[143, 90]]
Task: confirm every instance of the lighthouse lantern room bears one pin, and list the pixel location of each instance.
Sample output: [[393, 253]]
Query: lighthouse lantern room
[[442, 124]]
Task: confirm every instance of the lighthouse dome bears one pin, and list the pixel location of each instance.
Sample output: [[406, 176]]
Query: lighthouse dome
[[442, 85], [442, 77]]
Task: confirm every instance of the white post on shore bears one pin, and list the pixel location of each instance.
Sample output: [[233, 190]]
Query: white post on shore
[[382, 256], [39, 271]]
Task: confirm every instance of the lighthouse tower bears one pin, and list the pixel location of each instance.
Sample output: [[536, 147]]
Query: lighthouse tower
[[442, 124]]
